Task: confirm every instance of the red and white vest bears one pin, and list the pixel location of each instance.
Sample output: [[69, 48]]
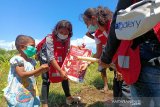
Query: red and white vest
[[129, 64], [103, 36], [60, 52]]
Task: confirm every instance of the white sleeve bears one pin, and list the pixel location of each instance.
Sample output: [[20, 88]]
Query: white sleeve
[[17, 61]]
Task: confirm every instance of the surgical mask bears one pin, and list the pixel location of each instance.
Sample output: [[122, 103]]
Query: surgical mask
[[30, 51], [63, 37], [92, 28]]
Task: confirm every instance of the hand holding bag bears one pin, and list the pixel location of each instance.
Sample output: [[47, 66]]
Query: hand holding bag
[[137, 19]]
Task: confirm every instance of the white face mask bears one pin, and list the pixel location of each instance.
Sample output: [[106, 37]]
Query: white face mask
[[63, 37]]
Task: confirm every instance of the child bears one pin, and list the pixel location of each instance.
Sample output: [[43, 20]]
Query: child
[[98, 22], [54, 51], [21, 90]]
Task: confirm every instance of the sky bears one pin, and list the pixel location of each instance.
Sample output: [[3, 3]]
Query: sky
[[37, 18]]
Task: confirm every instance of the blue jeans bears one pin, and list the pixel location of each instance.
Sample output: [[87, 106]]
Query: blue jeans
[[147, 89]]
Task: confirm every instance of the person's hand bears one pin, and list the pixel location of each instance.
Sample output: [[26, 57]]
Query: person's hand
[[113, 66], [64, 75], [44, 67], [103, 64], [83, 67], [89, 35], [119, 76], [80, 47]]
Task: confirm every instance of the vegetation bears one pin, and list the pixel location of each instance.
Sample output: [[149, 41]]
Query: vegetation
[[4, 67], [56, 96]]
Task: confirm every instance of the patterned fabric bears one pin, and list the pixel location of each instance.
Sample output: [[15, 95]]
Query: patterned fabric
[[21, 92], [49, 48]]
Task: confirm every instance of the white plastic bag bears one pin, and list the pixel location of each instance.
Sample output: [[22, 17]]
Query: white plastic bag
[[137, 19]]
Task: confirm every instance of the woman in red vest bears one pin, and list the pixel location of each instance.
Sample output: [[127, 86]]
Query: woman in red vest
[[142, 70], [98, 22], [102, 19], [54, 49]]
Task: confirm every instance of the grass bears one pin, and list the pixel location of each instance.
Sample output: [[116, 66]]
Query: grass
[[56, 95]]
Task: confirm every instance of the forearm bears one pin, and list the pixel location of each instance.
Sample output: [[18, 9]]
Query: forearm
[[37, 74], [97, 55], [99, 48], [89, 35], [25, 74]]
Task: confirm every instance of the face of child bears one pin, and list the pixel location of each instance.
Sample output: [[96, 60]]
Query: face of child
[[91, 24], [63, 33], [29, 49], [91, 21]]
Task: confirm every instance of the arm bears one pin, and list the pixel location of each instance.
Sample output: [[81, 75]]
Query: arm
[[23, 74], [98, 51], [89, 35], [113, 43], [39, 73]]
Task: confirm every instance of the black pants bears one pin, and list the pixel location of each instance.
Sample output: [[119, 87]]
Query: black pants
[[45, 88], [117, 88], [121, 91], [120, 88]]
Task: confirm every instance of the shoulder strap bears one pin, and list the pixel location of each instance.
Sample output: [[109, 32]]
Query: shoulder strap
[[40, 44]]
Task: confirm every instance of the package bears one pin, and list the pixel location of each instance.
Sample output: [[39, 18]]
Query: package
[[73, 66]]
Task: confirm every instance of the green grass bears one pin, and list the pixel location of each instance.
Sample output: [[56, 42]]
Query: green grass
[[56, 95]]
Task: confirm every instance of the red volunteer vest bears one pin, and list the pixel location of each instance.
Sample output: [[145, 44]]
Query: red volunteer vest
[[103, 37], [129, 64], [60, 52]]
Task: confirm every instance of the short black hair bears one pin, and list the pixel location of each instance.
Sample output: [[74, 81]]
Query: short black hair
[[22, 39], [89, 13]]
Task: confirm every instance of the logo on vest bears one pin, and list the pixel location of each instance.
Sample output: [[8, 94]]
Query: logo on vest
[[59, 59], [127, 24]]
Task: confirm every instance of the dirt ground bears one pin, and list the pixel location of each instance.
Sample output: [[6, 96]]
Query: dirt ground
[[92, 97]]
